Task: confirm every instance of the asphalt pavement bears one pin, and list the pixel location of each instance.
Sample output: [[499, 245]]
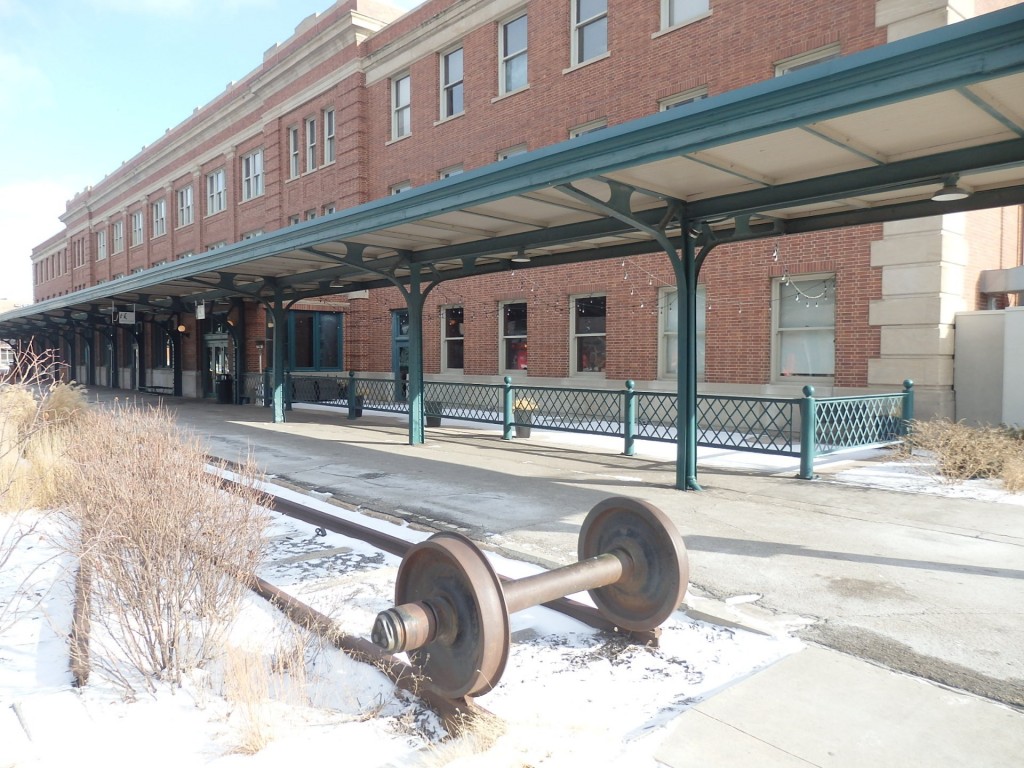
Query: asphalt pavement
[[912, 605]]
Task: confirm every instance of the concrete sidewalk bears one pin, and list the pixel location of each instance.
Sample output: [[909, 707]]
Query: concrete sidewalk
[[884, 585]]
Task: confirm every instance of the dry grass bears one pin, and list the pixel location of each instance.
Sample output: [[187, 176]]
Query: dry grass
[[964, 453], [169, 548]]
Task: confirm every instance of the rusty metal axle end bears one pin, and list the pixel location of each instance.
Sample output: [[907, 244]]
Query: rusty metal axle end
[[404, 627]]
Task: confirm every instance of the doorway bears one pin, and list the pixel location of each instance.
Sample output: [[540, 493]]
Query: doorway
[[400, 352]]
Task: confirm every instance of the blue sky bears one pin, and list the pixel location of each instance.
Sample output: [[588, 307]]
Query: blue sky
[[85, 84]]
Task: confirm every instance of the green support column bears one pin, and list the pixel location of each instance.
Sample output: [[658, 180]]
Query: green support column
[[114, 375], [414, 301], [279, 316], [686, 267]]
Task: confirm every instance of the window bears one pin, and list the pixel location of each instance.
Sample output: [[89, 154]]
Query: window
[[588, 334], [328, 136], [159, 218], [589, 30], [804, 60], [310, 145], [451, 84], [101, 246], [805, 326], [676, 12], [215, 198], [583, 130], [505, 154], [447, 173], [215, 246], [117, 239], [452, 339], [668, 360], [512, 55], [402, 186], [251, 234], [252, 175], [329, 209], [137, 233], [314, 341], [294, 219], [311, 214], [686, 97], [513, 336], [401, 109], [293, 153], [185, 214]]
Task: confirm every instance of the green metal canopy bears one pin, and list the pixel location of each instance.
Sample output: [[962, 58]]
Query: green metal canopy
[[865, 138]]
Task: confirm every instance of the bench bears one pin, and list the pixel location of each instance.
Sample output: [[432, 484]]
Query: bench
[[155, 389]]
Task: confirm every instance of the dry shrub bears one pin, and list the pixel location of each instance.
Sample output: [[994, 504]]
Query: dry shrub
[[170, 549], [247, 688], [963, 452]]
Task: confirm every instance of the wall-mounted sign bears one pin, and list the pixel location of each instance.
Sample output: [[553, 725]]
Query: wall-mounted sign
[[201, 310], [126, 318]]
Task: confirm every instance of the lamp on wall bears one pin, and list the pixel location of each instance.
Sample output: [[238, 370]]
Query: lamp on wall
[[951, 190]]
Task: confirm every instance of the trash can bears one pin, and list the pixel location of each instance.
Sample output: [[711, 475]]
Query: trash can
[[224, 388]]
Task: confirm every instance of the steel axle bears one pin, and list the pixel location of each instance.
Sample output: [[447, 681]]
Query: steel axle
[[452, 612]]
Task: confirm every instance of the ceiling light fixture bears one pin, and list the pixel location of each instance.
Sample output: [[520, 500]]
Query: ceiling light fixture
[[951, 190], [521, 257]]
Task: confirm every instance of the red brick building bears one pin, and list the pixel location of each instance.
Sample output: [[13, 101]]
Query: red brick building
[[360, 103]]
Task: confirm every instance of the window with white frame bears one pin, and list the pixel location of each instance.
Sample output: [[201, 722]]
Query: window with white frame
[[808, 59], [668, 357], [589, 30], [159, 218], [505, 154], [583, 130], [293, 152], [804, 320], [512, 55], [186, 213], [684, 97], [251, 234], [310, 145], [401, 107], [328, 136], [451, 84], [294, 219], [589, 314], [452, 339], [447, 173], [399, 188], [216, 196], [101, 245], [117, 237], [676, 12], [513, 335], [252, 175], [310, 214], [329, 209], [137, 224]]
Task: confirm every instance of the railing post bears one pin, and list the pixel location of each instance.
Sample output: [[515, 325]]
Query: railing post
[[629, 416], [288, 383], [808, 431], [908, 406], [506, 410], [268, 397], [352, 394]]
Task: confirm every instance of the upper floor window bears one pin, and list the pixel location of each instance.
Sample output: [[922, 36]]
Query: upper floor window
[[117, 237], [159, 218], [101, 245], [686, 97], [804, 60], [589, 30], [804, 320], [451, 83], [293, 152], [328, 136], [513, 336], [447, 173], [452, 339], [185, 210], [310, 145], [668, 358], [401, 107], [505, 154], [588, 334], [399, 188], [252, 175], [215, 192], [137, 224], [676, 12], [582, 130], [251, 234], [512, 54]]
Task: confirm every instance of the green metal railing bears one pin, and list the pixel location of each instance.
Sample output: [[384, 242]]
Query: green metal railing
[[806, 426]]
